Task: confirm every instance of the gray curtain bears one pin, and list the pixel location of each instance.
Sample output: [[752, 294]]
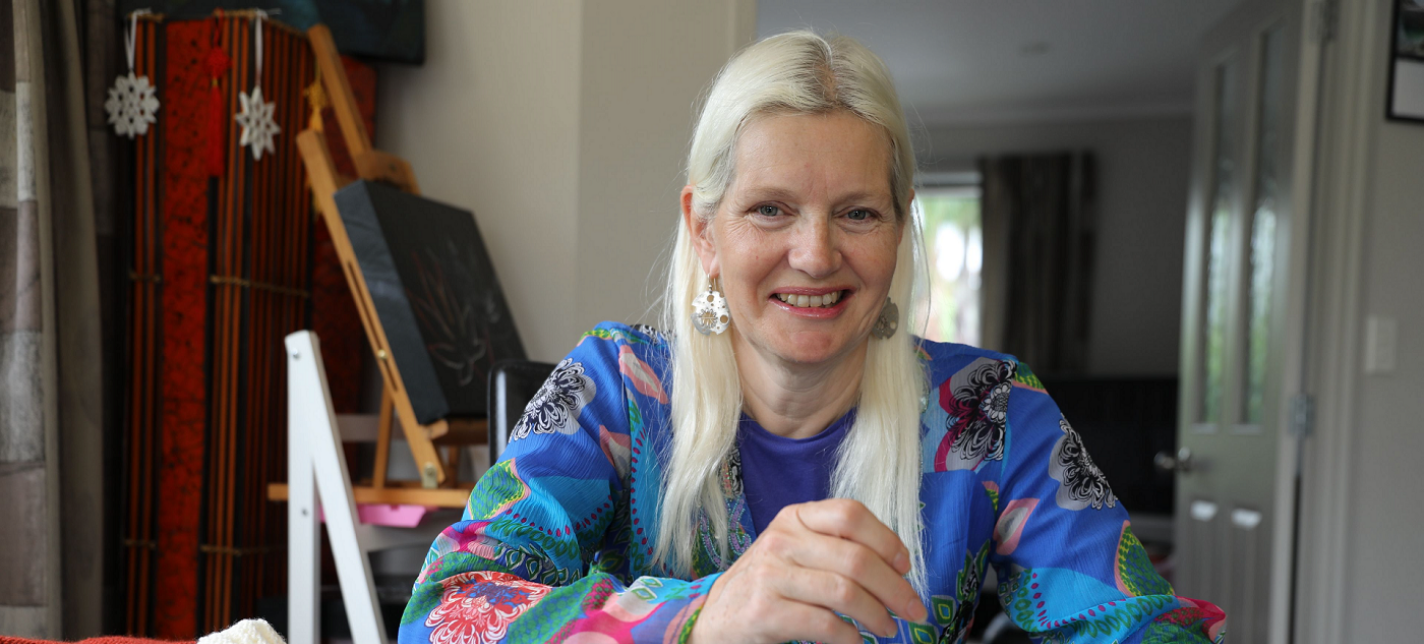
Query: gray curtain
[[52, 488], [1039, 236]]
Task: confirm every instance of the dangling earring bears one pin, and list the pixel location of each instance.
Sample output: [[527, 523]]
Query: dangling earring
[[709, 312], [888, 322]]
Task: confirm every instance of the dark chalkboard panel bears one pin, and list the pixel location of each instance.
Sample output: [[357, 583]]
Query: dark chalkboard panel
[[387, 30], [435, 293]]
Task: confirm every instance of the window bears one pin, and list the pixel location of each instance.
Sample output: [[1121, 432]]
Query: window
[[954, 251]]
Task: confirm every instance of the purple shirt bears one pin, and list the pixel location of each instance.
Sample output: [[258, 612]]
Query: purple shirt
[[779, 471]]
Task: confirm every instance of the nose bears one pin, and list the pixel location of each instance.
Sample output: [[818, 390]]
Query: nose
[[814, 248]]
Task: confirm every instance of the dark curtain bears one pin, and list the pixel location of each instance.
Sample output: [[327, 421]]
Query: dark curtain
[[1039, 217]]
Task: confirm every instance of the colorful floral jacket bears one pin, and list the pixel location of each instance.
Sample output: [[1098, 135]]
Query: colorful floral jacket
[[557, 539]]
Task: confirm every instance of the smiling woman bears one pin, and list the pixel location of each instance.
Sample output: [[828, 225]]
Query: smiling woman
[[782, 464]]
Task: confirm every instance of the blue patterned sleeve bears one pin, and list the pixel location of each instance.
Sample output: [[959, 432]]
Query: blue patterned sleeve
[[1069, 566], [534, 558]]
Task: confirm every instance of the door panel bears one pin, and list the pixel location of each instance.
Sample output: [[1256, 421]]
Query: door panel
[[1236, 280], [1246, 544]]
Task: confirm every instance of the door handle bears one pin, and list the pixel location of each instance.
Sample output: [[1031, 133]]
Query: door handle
[[1182, 462]]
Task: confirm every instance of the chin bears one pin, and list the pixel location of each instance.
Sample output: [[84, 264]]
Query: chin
[[812, 347]]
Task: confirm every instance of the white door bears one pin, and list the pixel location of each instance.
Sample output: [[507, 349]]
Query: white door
[[1244, 279]]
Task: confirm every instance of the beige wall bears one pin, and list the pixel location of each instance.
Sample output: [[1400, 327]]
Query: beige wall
[[1143, 170], [640, 79], [1385, 547], [563, 124]]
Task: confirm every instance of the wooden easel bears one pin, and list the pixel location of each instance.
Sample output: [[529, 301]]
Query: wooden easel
[[437, 486]]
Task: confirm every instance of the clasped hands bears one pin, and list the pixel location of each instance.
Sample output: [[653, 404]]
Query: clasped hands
[[814, 560]]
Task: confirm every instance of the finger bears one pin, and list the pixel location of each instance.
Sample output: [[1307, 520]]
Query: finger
[[838, 593], [851, 520], [855, 561], [799, 621]]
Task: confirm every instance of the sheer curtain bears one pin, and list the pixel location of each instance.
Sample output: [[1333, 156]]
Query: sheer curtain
[[51, 400], [1039, 246]]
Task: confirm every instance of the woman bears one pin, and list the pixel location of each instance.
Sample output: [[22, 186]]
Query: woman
[[786, 465]]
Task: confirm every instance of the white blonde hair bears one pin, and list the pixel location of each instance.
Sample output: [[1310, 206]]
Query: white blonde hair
[[879, 461]]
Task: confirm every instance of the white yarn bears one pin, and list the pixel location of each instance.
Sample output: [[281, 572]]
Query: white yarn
[[247, 631]]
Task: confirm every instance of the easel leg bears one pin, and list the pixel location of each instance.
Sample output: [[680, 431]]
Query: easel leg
[[452, 466], [383, 438]]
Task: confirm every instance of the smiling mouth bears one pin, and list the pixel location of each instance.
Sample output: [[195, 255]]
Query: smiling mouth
[[825, 301]]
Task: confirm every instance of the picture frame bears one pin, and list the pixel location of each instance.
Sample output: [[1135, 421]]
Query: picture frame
[[1405, 101]]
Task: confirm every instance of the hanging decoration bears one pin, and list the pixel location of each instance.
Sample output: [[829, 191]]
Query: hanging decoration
[[258, 127], [132, 100], [216, 63]]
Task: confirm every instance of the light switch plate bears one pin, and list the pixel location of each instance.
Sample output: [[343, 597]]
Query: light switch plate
[[1381, 344]]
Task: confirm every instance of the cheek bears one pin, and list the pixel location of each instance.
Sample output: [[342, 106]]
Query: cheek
[[875, 260], [746, 253]]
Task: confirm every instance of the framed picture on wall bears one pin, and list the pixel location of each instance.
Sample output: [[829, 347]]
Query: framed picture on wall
[[1406, 63]]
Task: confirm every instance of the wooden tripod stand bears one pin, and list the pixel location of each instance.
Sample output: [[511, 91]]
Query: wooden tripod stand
[[438, 485]]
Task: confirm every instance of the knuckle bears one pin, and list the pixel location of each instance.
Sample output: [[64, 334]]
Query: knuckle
[[774, 542], [849, 512], [858, 562], [787, 513], [842, 591]]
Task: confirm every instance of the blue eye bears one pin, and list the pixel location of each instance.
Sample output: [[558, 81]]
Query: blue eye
[[768, 210], [859, 214]]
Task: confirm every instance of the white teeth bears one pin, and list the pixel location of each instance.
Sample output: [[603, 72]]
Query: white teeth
[[804, 301]]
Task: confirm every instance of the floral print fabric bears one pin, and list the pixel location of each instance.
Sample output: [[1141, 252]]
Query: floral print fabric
[[556, 542]]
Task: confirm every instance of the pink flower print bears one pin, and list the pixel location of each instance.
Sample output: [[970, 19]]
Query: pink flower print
[[478, 607], [644, 380]]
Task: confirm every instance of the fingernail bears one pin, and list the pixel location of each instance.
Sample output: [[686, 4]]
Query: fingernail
[[902, 562], [918, 612]]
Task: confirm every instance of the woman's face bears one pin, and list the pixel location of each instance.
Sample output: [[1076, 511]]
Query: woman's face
[[804, 241]]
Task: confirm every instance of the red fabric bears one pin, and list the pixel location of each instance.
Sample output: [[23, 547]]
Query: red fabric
[[111, 639], [183, 328]]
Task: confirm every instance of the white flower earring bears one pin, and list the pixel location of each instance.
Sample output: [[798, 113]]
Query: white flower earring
[[888, 322], [709, 312]]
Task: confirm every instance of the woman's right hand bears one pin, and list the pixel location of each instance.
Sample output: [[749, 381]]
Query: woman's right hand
[[814, 560]]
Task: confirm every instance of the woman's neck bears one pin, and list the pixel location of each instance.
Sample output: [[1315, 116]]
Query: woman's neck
[[797, 401]]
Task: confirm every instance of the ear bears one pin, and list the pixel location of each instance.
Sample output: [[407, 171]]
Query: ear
[[700, 231]]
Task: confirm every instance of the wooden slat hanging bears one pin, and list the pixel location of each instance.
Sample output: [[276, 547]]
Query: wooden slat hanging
[[260, 287], [143, 357], [222, 271]]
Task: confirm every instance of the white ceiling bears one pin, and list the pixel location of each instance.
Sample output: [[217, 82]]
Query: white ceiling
[[982, 61]]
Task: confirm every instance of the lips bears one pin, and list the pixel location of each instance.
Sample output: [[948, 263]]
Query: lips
[[821, 303]]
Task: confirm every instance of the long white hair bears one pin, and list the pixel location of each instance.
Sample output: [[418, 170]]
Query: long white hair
[[879, 461]]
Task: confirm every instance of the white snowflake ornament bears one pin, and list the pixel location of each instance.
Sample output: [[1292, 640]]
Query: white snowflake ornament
[[258, 128], [132, 100], [131, 105]]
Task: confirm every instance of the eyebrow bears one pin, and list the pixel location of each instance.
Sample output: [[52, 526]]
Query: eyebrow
[[757, 192]]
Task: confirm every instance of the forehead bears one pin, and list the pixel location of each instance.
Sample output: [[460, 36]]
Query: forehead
[[830, 153]]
